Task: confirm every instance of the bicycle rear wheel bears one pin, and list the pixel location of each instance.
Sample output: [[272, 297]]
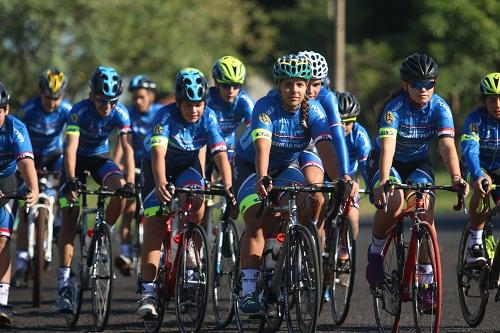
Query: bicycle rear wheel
[[39, 255], [192, 279], [302, 279], [224, 252], [342, 278], [101, 276], [426, 289], [77, 275], [386, 300], [472, 285]]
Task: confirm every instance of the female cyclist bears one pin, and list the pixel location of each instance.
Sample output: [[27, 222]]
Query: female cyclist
[[480, 147], [282, 125], [408, 124], [172, 158]]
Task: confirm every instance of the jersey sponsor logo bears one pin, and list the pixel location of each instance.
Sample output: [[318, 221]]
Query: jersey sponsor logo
[[389, 117], [264, 118], [19, 135], [74, 117], [474, 128], [158, 129]]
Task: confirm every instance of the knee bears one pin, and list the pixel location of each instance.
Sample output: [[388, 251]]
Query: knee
[[4, 243]]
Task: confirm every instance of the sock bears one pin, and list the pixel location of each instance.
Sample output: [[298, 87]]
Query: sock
[[249, 280], [476, 237], [63, 276], [4, 293], [377, 245], [426, 273], [148, 289], [125, 249], [22, 259]]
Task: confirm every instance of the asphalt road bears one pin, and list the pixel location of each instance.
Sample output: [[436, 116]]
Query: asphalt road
[[360, 318]]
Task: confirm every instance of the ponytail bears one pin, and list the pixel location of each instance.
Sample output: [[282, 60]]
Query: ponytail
[[304, 112]]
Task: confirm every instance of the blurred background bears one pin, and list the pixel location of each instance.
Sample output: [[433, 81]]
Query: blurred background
[[159, 37]]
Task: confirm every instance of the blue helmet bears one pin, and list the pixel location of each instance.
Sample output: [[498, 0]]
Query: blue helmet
[[141, 82], [4, 96], [106, 83], [191, 85]]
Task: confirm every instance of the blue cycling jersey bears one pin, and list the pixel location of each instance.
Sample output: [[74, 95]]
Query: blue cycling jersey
[[358, 146], [283, 128], [140, 125], [15, 145], [94, 129], [45, 128], [414, 128], [230, 115], [481, 142], [329, 102], [182, 139]]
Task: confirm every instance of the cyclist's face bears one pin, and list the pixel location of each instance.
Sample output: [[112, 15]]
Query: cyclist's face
[[419, 96], [102, 106], [348, 125], [192, 111], [4, 111], [292, 92], [50, 104], [142, 99], [493, 106], [228, 92], [314, 88]]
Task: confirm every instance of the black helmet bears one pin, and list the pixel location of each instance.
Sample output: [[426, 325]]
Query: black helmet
[[4, 96], [418, 66], [348, 105], [141, 82], [53, 82]]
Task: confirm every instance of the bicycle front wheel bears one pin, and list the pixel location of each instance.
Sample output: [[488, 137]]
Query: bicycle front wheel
[[101, 276], [224, 252], [426, 290], [76, 282], [302, 279], [39, 255], [386, 300], [472, 285], [153, 325], [192, 279]]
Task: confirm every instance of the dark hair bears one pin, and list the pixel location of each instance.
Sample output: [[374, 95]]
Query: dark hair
[[304, 112]]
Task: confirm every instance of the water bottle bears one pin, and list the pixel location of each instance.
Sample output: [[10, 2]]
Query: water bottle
[[174, 245], [269, 262]]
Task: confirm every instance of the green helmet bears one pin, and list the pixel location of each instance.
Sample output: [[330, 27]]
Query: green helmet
[[490, 84], [229, 70], [291, 66]]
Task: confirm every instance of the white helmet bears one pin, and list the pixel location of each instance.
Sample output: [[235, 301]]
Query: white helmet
[[319, 67]]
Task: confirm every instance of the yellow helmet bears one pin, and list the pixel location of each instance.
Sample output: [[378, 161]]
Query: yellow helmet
[[229, 69], [53, 82], [490, 84]]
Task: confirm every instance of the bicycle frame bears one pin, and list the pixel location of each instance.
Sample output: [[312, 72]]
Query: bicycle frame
[[48, 203]]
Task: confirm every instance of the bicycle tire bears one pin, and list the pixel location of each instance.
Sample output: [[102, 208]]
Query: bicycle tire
[[187, 279], [39, 256], [427, 319], [153, 325], [101, 275], [467, 293], [76, 279], [343, 273], [244, 323], [386, 300], [222, 273], [302, 280]]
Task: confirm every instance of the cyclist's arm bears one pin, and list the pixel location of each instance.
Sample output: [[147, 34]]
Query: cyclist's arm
[[331, 165], [387, 150], [158, 165], [449, 155], [26, 167], [202, 156], [262, 151], [70, 154], [126, 143], [222, 162], [118, 153]]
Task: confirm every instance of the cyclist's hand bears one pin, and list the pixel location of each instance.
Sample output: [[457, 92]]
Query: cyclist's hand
[[232, 201], [460, 183], [31, 197], [261, 189], [354, 185], [478, 186], [71, 188], [380, 196], [1, 194], [164, 192], [127, 191]]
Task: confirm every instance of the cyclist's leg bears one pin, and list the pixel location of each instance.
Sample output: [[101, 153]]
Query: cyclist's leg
[[123, 261], [20, 278], [192, 176]]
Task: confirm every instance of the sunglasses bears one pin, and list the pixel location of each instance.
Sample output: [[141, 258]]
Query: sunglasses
[[101, 101], [228, 86], [429, 84]]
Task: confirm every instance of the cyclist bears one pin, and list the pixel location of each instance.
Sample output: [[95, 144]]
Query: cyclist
[[283, 124], [142, 113], [45, 117], [407, 125], [174, 143], [15, 149], [480, 146], [86, 149]]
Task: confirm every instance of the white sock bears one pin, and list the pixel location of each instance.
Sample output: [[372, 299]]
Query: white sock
[[125, 249], [377, 245], [426, 273], [22, 258], [148, 289], [63, 276], [476, 237], [4, 293], [249, 280]]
